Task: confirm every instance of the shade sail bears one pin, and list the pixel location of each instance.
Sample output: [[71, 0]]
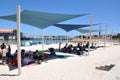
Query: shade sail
[[41, 19], [86, 31], [69, 27]]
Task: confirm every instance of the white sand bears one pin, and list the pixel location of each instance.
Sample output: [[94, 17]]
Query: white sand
[[72, 68], [37, 47]]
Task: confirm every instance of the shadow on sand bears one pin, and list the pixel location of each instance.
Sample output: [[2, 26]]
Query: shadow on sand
[[9, 75], [50, 58]]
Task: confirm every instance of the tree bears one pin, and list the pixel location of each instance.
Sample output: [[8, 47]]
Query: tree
[[118, 36]]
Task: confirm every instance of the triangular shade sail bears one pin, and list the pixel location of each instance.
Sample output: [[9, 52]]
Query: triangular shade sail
[[86, 31], [41, 19], [69, 27]]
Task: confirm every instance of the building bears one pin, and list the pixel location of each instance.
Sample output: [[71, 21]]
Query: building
[[8, 34]]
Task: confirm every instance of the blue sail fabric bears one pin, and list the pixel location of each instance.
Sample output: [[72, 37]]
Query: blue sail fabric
[[41, 19], [86, 30], [69, 27]]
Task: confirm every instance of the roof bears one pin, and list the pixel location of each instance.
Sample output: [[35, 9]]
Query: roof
[[6, 30]]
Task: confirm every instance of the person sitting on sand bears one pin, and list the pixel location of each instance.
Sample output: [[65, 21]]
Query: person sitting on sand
[[87, 45], [93, 46], [37, 57], [27, 60], [15, 54], [80, 48], [80, 45], [65, 48], [52, 52], [9, 55], [23, 53], [30, 54], [14, 60], [70, 48], [60, 46]]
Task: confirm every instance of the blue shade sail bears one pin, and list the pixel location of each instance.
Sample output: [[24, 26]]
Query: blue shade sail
[[86, 31], [41, 19], [69, 27]]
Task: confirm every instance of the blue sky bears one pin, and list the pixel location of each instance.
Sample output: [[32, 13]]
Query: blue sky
[[104, 11]]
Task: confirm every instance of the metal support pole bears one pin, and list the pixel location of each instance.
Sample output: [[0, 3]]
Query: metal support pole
[[105, 35], [42, 39], [18, 40], [100, 31], [91, 21], [111, 38], [82, 38], [67, 37]]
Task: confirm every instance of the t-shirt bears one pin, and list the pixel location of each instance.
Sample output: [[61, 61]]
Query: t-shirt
[[4, 52], [26, 61]]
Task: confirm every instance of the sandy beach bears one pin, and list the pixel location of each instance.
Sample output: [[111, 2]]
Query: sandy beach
[[90, 27], [73, 67]]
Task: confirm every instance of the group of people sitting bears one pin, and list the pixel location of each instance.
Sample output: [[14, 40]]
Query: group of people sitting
[[27, 57], [79, 49]]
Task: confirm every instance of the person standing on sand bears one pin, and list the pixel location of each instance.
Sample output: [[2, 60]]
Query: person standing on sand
[[4, 51]]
